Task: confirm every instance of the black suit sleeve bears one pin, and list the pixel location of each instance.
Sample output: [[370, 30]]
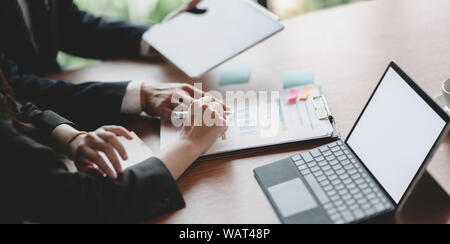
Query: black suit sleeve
[[44, 122], [85, 35], [89, 105], [36, 186]]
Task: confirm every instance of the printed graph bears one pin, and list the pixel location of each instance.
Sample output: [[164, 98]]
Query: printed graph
[[247, 126]]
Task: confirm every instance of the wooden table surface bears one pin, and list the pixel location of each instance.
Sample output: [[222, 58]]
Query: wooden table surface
[[348, 48]]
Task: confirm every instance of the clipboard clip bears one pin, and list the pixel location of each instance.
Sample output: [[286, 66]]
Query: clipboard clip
[[322, 111]]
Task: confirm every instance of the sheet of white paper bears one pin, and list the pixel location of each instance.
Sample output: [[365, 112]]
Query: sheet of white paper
[[136, 149], [297, 122], [198, 43]]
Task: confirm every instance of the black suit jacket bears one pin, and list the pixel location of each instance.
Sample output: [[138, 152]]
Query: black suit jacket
[[58, 25], [35, 185]]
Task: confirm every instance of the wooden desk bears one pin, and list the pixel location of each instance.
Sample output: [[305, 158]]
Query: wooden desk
[[348, 47]]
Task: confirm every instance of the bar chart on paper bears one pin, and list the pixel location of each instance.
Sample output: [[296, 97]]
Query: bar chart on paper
[[247, 127], [249, 121], [250, 127]]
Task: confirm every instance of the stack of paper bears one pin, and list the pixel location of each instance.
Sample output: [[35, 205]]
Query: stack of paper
[[136, 149], [290, 121]]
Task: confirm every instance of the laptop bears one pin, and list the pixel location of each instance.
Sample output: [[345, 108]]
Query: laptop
[[369, 174]]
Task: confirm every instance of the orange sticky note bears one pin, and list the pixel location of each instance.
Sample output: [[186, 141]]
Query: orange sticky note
[[305, 93]]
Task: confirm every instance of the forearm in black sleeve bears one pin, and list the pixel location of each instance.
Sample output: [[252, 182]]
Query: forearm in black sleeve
[[44, 122], [83, 34], [38, 187], [141, 193], [89, 105]]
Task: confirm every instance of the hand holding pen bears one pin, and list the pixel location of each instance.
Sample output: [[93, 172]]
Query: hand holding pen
[[190, 7]]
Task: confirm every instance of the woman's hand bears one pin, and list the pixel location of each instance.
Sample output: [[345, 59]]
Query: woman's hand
[[85, 149], [195, 140], [190, 6], [204, 133]]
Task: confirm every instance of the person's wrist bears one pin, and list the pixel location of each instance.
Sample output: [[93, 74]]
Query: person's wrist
[[194, 147], [60, 136], [73, 144], [198, 145], [144, 99]]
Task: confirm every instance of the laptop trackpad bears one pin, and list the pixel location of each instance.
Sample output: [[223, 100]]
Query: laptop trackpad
[[292, 197]]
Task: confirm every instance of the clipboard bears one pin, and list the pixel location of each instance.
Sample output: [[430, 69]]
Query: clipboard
[[243, 140], [197, 43]]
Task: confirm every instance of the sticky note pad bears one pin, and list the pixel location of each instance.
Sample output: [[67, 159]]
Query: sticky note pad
[[305, 93], [235, 76], [293, 96], [297, 78]]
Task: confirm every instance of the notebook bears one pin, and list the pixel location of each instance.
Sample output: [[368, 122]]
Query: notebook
[[292, 122], [136, 149]]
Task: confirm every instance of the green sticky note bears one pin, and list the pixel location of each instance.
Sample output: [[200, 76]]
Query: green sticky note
[[235, 76], [298, 78]]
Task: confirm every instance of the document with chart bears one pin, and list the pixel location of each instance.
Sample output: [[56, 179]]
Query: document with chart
[[259, 123]]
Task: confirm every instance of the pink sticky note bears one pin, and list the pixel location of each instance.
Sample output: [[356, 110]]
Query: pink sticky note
[[293, 96]]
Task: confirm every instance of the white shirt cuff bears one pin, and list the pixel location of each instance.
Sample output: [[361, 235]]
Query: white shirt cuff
[[131, 103]]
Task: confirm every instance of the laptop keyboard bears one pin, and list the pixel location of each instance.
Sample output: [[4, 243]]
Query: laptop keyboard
[[345, 189]]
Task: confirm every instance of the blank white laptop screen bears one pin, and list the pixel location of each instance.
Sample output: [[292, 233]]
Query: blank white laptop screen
[[395, 134]]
